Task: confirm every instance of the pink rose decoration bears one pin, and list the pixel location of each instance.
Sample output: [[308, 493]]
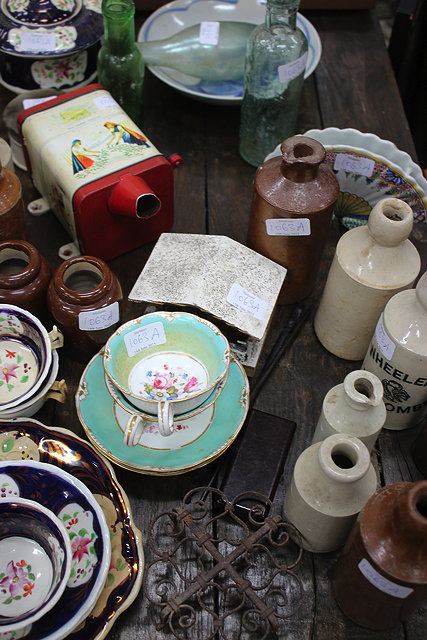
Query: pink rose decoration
[[191, 384], [162, 382]]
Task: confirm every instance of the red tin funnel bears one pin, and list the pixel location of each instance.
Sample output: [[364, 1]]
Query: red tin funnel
[[133, 197]]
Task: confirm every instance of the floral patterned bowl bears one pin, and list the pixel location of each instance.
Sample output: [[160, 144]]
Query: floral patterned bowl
[[25, 355], [35, 562], [369, 169], [166, 363], [49, 43], [75, 506]]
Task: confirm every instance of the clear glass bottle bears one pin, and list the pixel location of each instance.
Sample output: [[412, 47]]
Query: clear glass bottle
[[120, 65], [217, 59], [274, 75]]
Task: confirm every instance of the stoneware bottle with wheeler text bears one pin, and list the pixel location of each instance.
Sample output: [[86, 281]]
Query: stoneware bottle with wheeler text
[[397, 354]]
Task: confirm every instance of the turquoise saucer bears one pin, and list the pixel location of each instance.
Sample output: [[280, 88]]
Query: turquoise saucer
[[95, 408]]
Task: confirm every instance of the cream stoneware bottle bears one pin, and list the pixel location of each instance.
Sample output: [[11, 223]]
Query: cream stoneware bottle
[[355, 407], [371, 264], [397, 354], [331, 483]]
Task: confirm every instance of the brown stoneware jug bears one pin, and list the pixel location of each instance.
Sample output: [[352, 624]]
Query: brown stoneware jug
[[293, 199], [12, 218], [24, 277], [84, 298], [381, 575]]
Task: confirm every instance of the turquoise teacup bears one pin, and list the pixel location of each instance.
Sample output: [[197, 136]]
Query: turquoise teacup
[[166, 363]]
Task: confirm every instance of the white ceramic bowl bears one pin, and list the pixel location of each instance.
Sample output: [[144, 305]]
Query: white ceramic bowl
[[371, 169], [25, 355], [176, 16], [35, 562], [33, 404]]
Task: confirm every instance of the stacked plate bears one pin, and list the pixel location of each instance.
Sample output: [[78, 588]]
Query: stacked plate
[[160, 399], [28, 362], [68, 479]]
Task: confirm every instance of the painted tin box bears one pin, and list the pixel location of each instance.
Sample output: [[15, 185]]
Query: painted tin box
[[104, 179]]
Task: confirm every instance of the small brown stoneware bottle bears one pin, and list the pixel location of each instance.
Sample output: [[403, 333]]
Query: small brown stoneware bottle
[[24, 277], [84, 298], [294, 196], [381, 575], [12, 218]]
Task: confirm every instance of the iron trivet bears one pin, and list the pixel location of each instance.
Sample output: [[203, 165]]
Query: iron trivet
[[218, 576]]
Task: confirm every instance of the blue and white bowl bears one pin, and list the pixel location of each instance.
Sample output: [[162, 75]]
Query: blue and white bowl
[[75, 506], [180, 14]]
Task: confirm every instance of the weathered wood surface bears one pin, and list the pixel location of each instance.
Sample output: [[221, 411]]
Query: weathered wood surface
[[352, 87]]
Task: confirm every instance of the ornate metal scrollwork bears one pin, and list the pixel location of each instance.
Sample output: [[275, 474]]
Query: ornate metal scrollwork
[[206, 570]]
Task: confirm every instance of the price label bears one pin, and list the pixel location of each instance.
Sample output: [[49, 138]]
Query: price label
[[291, 70], [38, 41], [144, 338], [209, 33], [288, 227], [247, 301], [382, 583], [385, 344], [104, 102], [99, 318], [33, 102], [359, 166]]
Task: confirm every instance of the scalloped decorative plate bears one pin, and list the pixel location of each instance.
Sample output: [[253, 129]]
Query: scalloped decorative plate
[[394, 173]]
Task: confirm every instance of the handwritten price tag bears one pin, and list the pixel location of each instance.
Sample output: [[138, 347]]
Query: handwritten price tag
[[209, 33], [144, 338], [291, 70], [247, 301], [104, 102], [385, 345], [381, 583], [288, 227], [38, 41], [352, 164], [99, 318]]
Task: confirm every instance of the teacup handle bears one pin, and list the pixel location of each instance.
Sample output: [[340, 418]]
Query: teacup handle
[[165, 418], [56, 338], [133, 431]]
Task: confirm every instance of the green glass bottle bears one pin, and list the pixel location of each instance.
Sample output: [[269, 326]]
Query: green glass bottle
[[120, 65], [274, 75]]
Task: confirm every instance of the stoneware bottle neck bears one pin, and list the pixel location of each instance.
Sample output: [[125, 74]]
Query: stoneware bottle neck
[[343, 459], [390, 222], [410, 515], [301, 158], [82, 280], [362, 390]]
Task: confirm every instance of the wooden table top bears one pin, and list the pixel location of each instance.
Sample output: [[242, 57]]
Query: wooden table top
[[353, 86]]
